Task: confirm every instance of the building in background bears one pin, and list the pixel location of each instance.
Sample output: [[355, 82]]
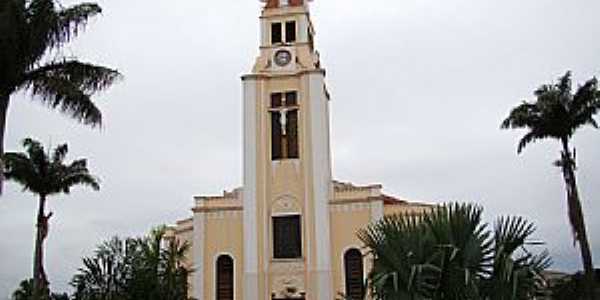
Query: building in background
[[290, 231]]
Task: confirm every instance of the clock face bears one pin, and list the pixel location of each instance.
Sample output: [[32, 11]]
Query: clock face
[[283, 57]]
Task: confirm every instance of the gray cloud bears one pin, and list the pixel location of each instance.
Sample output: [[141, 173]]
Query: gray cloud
[[419, 89]]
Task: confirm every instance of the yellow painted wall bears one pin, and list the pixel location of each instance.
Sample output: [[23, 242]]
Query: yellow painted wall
[[346, 220], [223, 236]]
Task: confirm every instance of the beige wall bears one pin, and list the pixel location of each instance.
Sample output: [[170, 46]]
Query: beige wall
[[223, 236], [346, 220]]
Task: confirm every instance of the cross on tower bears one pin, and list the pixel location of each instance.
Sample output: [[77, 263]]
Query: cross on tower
[[284, 125]]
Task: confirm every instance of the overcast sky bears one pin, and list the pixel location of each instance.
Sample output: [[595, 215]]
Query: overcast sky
[[419, 88]]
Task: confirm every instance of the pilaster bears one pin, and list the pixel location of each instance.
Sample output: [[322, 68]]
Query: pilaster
[[198, 254], [322, 188], [251, 288]]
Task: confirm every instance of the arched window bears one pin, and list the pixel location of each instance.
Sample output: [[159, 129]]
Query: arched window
[[224, 276], [353, 270]]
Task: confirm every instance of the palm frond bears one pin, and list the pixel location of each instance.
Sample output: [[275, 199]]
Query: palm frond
[[525, 115], [586, 103], [40, 18], [50, 28], [564, 86], [87, 77], [77, 173], [70, 21], [512, 233], [60, 153], [57, 92], [527, 139], [19, 168], [68, 85]]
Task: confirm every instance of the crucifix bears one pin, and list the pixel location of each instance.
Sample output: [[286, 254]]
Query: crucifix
[[284, 125]]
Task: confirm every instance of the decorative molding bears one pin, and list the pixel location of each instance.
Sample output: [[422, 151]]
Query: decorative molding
[[350, 207], [288, 279], [258, 76], [224, 214], [286, 204]]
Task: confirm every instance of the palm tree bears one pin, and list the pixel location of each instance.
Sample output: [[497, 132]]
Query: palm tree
[[105, 275], [449, 253], [557, 113], [30, 30], [151, 267], [45, 176]]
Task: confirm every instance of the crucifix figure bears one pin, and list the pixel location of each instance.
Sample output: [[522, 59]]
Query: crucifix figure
[[284, 125], [283, 119]]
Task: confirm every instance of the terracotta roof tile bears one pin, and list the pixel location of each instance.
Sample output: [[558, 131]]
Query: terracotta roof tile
[[275, 3]]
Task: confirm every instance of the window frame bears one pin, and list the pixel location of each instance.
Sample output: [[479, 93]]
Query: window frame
[[286, 32], [346, 271], [217, 273], [293, 32], [279, 143], [281, 255], [280, 35]]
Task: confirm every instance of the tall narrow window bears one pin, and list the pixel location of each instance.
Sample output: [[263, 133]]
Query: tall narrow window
[[287, 237], [353, 270], [290, 31], [224, 276], [284, 126], [276, 33]]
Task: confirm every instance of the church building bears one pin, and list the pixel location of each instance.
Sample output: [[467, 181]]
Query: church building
[[290, 231]]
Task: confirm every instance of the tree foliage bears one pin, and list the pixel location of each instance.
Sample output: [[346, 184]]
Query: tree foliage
[[32, 33], [45, 174], [40, 173], [557, 113], [25, 292], [151, 267], [448, 252]]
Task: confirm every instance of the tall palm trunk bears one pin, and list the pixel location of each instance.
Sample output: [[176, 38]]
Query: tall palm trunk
[[4, 99], [577, 219], [40, 281]]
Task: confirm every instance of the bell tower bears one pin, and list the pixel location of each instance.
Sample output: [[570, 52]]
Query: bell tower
[[287, 163]]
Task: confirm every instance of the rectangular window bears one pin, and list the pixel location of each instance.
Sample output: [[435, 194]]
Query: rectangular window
[[291, 137], [276, 100], [291, 99], [276, 136], [284, 126], [276, 33], [290, 31], [287, 237]]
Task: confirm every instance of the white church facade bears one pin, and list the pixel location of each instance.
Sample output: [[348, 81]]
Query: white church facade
[[290, 231]]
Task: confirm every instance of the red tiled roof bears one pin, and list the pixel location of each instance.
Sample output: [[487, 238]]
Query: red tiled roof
[[389, 200], [275, 3]]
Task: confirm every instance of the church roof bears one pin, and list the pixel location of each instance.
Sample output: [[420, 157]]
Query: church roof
[[343, 192], [348, 186]]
